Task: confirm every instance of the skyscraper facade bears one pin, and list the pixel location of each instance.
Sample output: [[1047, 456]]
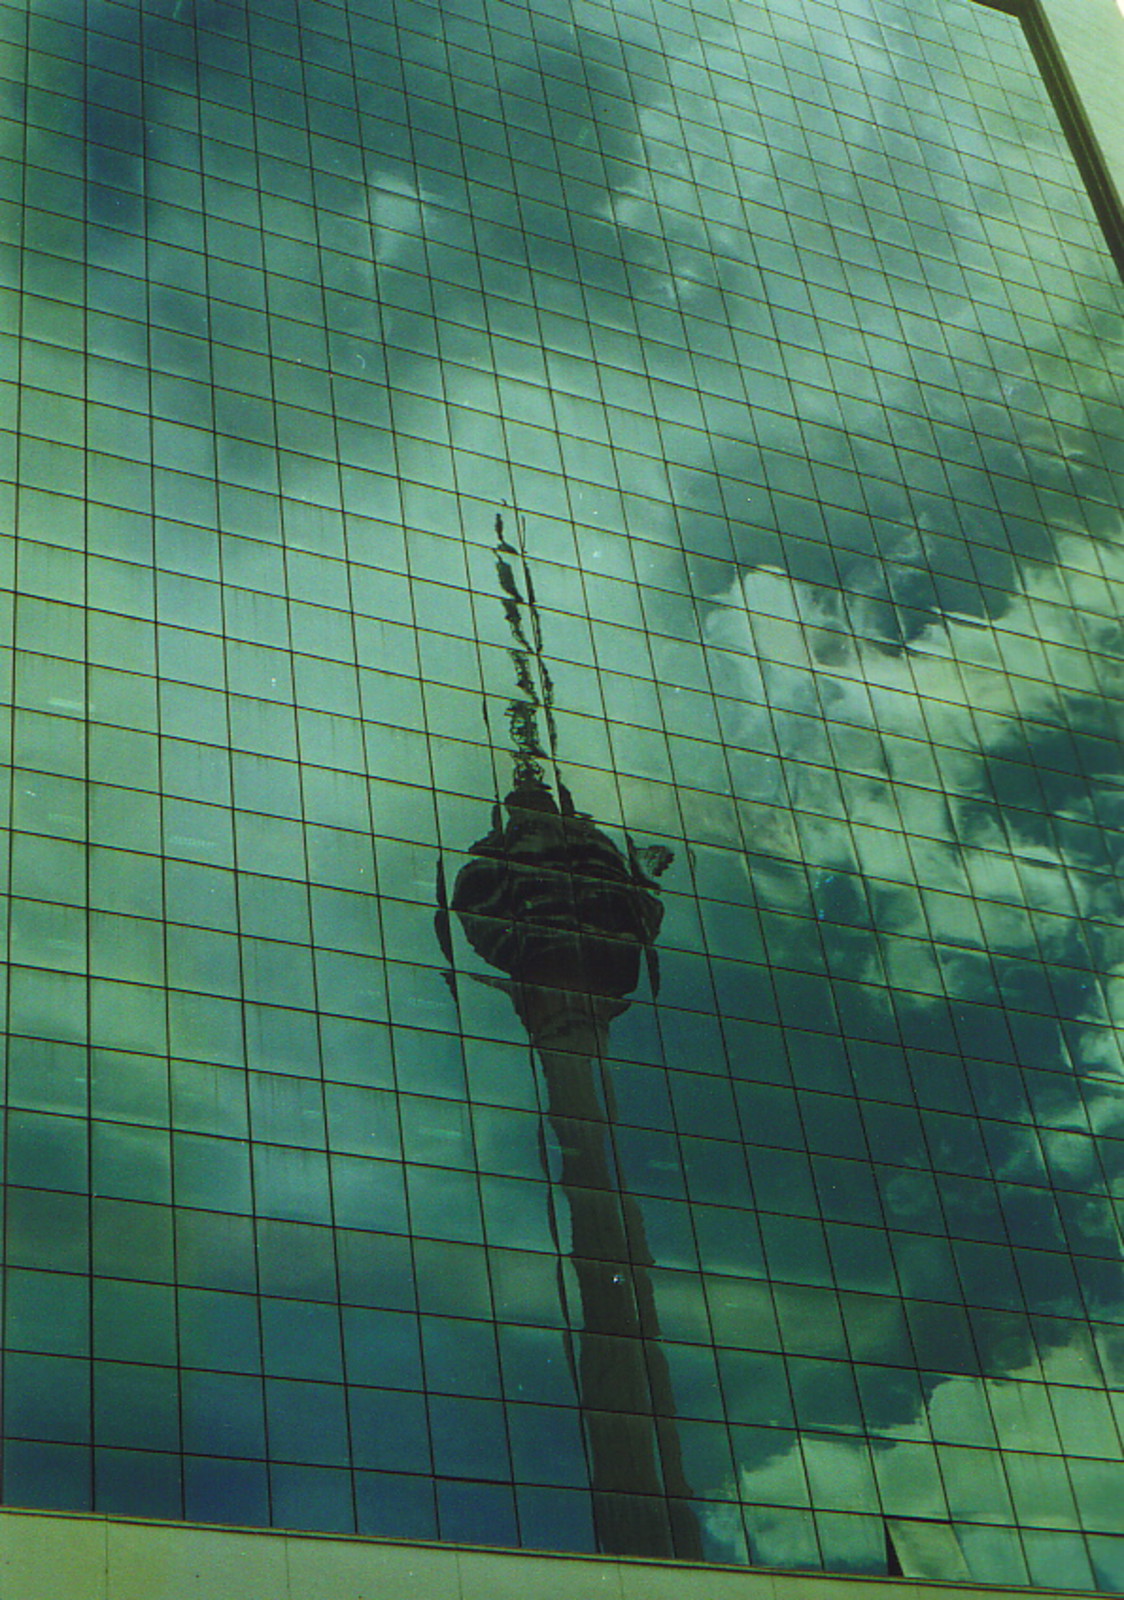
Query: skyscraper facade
[[562, 628]]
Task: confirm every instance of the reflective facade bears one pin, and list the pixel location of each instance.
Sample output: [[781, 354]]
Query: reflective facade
[[599, 1029]]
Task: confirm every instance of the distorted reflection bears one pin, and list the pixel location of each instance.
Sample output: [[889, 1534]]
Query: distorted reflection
[[552, 902]]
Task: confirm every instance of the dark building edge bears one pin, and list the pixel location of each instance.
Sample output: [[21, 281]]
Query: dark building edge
[[1070, 110]]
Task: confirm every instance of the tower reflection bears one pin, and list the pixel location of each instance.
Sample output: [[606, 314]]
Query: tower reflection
[[550, 901]]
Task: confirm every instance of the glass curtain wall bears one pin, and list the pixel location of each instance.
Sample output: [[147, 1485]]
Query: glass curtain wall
[[599, 1029]]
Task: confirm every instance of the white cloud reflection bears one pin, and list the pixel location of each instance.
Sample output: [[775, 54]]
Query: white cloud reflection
[[855, 753], [948, 1504], [818, 678]]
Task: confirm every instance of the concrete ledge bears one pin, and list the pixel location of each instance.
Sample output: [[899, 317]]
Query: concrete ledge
[[52, 1556]]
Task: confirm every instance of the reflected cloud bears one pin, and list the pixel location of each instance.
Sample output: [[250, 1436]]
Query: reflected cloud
[[922, 723], [398, 217], [937, 1498], [817, 677]]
